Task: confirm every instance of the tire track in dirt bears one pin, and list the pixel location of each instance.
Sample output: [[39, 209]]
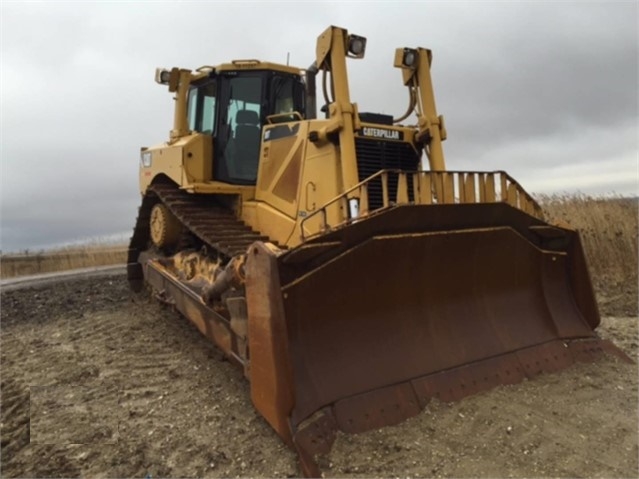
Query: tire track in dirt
[[126, 388], [15, 404]]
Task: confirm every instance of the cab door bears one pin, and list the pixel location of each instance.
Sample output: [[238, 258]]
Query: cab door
[[240, 127]]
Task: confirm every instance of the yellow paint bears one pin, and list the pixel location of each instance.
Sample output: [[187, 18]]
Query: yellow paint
[[308, 169]]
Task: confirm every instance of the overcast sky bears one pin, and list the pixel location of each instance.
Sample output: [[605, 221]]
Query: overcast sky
[[544, 90]]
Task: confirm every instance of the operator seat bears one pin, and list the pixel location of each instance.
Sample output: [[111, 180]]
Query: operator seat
[[247, 143]]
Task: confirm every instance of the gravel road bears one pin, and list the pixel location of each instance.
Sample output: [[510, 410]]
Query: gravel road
[[36, 280], [100, 382]]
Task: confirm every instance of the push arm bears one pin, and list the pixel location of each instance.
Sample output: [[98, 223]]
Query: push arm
[[415, 65]]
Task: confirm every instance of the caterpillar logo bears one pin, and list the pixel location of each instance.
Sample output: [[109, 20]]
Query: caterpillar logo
[[382, 133]]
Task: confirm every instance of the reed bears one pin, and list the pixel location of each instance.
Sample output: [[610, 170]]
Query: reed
[[608, 229], [28, 263]]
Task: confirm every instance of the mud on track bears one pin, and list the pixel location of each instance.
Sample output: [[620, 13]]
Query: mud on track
[[100, 382]]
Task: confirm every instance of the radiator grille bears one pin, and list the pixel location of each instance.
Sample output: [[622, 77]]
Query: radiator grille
[[375, 155]]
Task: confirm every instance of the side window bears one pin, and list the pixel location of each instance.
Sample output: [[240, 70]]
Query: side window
[[201, 108], [287, 96], [192, 108], [283, 101], [207, 102]]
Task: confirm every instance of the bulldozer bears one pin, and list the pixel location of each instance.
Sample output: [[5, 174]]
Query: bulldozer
[[337, 261]]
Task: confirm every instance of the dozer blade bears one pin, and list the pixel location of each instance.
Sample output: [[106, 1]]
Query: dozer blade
[[362, 327]]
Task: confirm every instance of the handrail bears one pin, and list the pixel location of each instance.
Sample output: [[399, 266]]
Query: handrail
[[429, 187]]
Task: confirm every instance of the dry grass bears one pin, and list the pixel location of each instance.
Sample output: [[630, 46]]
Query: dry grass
[[27, 263], [608, 229]]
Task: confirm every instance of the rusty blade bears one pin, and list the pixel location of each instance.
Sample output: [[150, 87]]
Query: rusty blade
[[362, 328], [398, 307]]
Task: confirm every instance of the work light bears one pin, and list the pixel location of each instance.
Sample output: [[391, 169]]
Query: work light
[[356, 46]]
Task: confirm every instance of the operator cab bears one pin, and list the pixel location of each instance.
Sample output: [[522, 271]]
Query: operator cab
[[232, 106]]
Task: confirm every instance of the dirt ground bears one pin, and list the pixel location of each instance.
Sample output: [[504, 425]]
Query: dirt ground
[[99, 382]]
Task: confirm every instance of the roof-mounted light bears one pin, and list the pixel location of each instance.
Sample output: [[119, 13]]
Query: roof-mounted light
[[168, 77], [162, 76]]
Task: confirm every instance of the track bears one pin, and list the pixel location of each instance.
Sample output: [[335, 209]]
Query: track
[[214, 225]]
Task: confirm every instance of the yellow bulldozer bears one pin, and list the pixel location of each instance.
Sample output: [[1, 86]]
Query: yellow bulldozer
[[351, 285]]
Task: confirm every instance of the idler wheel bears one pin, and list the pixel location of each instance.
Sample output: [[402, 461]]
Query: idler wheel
[[165, 227]]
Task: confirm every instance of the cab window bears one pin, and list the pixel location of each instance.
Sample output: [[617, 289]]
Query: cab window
[[201, 108], [243, 118], [283, 93]]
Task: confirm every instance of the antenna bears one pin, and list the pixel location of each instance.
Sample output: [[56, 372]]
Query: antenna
[[288, 56]]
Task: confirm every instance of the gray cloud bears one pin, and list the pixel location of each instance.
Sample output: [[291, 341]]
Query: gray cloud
[[546, 91]]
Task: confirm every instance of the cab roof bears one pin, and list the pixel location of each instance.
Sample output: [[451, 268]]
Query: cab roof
[[249, 64]]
